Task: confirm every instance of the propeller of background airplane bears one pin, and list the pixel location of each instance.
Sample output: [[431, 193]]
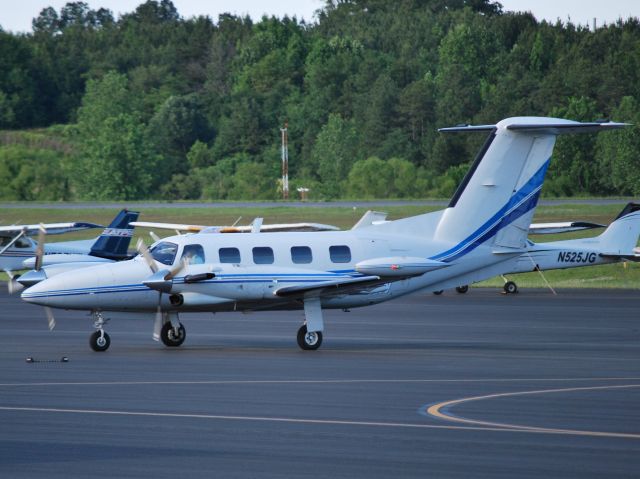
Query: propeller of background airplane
[[14, 286], [161, 280]]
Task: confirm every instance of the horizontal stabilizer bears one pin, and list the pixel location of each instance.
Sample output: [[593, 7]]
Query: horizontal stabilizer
[[550, 128], [622, 257], [562, 128], [453, 129], [561, 227]]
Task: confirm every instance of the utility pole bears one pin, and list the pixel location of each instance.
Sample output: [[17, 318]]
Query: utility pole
[[285, 162]]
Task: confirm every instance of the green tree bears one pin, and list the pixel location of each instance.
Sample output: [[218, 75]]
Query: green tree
[[618, 152], [116, 160], [334, 153]]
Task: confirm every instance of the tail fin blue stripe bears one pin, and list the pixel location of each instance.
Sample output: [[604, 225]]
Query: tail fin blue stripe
[[520, 203]]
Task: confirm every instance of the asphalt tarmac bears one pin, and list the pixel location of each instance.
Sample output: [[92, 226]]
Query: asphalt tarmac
[[475, 385]]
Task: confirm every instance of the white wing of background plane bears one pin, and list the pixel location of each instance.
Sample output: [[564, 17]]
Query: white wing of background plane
[[236, 229], [51, 228], [561, 227]]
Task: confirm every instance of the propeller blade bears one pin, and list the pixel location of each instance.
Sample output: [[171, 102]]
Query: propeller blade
[[40, 248], [13, 286], [154, 236], [144, 251], [180, 265], [157, 324], [50, 319]]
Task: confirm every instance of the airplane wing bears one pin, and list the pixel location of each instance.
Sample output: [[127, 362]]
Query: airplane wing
[[327, 288], [236, 229], [622, 257], [562, 227], [51, 228]]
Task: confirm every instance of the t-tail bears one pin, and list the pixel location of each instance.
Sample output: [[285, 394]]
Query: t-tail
[[495, 202], [114, 241]]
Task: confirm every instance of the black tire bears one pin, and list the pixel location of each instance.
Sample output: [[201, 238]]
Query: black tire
[[462, 289], [168, 335], [309, 341], [99, 342], [510, 287], [439, 292]]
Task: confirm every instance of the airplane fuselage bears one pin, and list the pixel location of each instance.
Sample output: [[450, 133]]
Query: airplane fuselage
[[250, 267]]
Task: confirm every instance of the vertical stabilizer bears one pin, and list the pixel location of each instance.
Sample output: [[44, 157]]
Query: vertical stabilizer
[[114, 241], [621, 236], [496, 201]]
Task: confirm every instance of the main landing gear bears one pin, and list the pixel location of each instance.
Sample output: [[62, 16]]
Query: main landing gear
[[310, 333], [509, 287], [309, 340], [99, 340]]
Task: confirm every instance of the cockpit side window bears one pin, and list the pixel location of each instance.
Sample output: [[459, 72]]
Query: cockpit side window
[[22, 243], [193, 254], [164, 252]]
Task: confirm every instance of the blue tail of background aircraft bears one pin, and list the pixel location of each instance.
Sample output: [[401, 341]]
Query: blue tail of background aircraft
[[114, 241]]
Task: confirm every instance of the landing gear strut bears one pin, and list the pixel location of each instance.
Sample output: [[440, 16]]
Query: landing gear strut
[[99, 340], [310, 333]]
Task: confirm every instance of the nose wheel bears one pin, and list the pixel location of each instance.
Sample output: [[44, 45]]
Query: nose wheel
[[172, 337], [99, 341]]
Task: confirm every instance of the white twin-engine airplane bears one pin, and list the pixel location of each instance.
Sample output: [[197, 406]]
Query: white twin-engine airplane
[[482, 233]]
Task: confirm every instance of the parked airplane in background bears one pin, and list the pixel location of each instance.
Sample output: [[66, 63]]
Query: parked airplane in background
[[16, 243], [111, 245], [617, 243], [482, 233]]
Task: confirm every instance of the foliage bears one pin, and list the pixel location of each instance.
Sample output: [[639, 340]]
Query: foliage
[[159, 105]]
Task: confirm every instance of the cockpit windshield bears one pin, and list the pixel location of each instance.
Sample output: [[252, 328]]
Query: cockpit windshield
[[164, 252]]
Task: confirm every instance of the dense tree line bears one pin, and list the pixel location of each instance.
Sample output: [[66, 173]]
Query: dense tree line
[[152, 105]]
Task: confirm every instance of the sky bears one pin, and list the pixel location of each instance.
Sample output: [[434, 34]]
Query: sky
[[16, 16]]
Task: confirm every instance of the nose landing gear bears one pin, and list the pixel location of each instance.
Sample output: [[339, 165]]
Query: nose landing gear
[[99, 340]]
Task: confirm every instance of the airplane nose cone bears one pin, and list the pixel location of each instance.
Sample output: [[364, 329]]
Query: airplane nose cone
[[37, 293], [31, 278]]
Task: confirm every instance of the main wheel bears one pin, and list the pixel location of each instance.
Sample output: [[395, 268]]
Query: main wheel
[[462, 289], [170, 337], [99, 342], [510, 287], [309, 341], [438, 293]]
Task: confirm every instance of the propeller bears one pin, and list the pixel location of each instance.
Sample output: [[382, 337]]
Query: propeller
[[50, 319], [13, 286], [160, 280], [42, 232]]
